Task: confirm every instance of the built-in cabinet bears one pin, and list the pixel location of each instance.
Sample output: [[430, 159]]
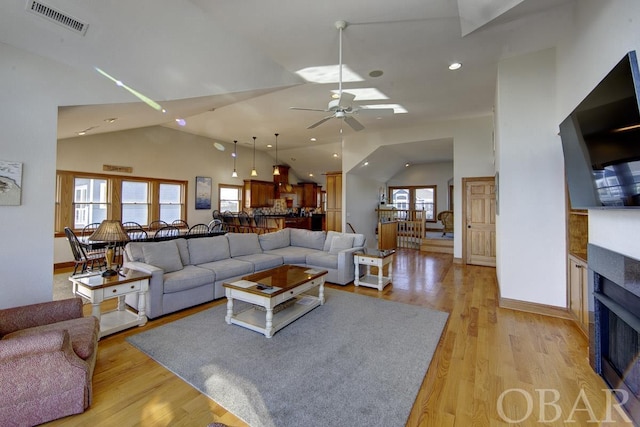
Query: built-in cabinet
[[334, 201], [308, 194], [258, 194], [577, 269]]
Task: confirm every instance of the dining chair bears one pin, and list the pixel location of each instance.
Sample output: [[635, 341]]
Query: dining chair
[[166, 232], [216, 226], [180, 223], [216, 214], [230, 221], [157, 225], [129, 225], [261, 222], [89, 229], [245, 224], [198, 230], [83, 259], [137, 234]]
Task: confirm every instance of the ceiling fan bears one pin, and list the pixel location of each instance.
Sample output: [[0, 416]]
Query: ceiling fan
[[343, 107]]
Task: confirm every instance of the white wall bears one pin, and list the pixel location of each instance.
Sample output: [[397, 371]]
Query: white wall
[[438, 174], [531, 230], [160, 152], [472, 156], [362, 215], [604, 31]]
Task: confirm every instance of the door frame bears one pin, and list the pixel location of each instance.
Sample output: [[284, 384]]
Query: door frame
[[465, 181]]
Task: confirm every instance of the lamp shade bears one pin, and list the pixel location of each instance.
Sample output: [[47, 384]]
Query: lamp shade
[[109, 231]]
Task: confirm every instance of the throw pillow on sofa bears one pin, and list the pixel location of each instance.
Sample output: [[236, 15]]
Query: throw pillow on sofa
[[339, 243], [275, 240], [163, 255], [243, 244], [307, 239]]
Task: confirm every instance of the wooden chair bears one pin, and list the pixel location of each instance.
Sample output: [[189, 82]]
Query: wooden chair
[[245, 224], [89, 229], [166, 232], [198, 230], [137, 234], [130, 225], [230, 221], [180, 223], [82, 258], [157, 225], [216, 226], [216, 214], [261, 223], [446, 218]]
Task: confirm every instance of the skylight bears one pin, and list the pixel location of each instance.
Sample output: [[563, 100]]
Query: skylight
[[397, 108], [365, 93], [328, 74]]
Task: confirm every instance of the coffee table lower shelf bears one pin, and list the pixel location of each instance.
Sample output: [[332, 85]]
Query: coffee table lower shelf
[[256, 319]]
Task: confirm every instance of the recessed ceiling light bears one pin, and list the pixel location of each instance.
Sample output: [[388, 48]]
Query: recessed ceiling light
[[376, 73], [455, 66], [312, 139], [406, 165], [82, 133], [218, 146], [366, 163], [181, 122], [328, 74], [111, 120], [335, 154], [310, 174], [269, 146]]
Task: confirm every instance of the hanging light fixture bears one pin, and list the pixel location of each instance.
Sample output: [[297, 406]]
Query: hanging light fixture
[[234, 174], [254, 172], [276, 169]]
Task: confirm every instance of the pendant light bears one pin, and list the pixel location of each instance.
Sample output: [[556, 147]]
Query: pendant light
[[276, 169], [234, 174], [254, 172]]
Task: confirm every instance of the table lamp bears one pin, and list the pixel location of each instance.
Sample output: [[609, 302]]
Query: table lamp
[[110, 232]]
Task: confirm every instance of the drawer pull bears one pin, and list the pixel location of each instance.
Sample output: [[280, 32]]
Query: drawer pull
[[132, 287], [114, 291]]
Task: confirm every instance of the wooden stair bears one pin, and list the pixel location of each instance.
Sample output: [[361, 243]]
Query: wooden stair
[[443, 246]]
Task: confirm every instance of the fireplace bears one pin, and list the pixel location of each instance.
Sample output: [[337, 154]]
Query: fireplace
[[615, 333]]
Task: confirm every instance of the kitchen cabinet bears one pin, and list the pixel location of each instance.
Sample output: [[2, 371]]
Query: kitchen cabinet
[[308, 197], [334, 201], [258, 194], [579, 292]]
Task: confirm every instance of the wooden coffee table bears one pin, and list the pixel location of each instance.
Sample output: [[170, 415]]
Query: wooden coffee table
[[273, 309]]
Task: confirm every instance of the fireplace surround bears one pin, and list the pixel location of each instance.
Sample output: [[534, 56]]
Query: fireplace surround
[[614, 335]]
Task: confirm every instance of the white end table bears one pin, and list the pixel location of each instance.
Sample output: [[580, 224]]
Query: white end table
[[377, 258], [96, 289]]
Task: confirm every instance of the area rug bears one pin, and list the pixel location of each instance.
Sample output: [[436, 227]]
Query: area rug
[[355, 361]]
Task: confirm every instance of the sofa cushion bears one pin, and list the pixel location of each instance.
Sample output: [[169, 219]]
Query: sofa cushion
[[164, 255], [358, 239], [134, 251], [183, 249], [323, 259], [292, 254], [339, 243], [262, 261], [83, 333], [307, 239], [230, 267], [243, 244], [189, 277], [208, 249], [276, 240]]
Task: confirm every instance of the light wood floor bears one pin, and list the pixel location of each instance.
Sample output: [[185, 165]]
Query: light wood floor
[[484, 352]]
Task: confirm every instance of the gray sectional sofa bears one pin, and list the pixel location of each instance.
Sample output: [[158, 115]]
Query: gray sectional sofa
[[187, 272]]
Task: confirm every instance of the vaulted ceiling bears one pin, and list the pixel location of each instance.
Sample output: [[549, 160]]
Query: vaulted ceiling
[[228, 67]]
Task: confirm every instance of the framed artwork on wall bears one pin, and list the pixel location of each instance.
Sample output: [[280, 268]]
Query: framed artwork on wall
[[10, 183], [203, 192]]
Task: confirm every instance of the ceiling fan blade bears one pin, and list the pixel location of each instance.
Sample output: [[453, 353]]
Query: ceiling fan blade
[[307, 109], [320, 122], [379, 112], [346, 99], [355, 125]]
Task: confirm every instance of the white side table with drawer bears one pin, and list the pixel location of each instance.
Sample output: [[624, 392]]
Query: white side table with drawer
[[377, 258], [97, 289]]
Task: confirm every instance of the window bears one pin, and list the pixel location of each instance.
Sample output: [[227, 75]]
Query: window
[[414, 198], [83, 198], [89, 201], [230, 198], [170, 202], [135, 202]]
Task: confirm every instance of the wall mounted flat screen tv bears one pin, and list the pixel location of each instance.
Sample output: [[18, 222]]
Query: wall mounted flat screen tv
[[601, 142]]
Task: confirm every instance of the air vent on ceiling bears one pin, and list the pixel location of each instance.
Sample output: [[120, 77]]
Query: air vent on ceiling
[[60, 18]]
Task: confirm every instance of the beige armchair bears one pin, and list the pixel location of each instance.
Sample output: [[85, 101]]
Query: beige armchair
[[446, 218], [47, 356]]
